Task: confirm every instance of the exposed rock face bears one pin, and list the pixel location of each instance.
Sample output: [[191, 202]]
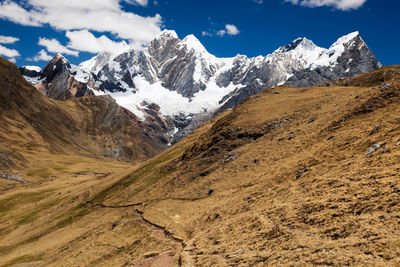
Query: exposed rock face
[[60, 80], [121, 134], [188, 84], [182, 66], [28, 72]]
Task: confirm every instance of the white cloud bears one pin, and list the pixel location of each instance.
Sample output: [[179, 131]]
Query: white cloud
[[206, 33], [53, 45], [338, 4], [138, 2], [231, 29], [13, 12], [221, 33], [7, 52], [85, 41], [41, 55], [258, 1], [8, 39], [95, 15]]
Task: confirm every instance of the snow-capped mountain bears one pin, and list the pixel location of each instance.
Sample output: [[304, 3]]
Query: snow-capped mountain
[[177, 84]]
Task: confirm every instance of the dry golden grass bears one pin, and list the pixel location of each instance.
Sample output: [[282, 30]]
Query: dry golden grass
[[47, 217], [342, 210]]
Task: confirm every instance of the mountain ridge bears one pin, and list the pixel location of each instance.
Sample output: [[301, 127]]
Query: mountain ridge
[[186, 84]]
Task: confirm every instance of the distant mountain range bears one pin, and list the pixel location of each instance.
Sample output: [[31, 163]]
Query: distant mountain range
[[174, 85]]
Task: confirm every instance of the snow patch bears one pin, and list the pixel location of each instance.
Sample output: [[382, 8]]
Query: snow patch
[[192, 43], [170, 102], [34, 68], [330, 57], [81, 75], [33, 80]]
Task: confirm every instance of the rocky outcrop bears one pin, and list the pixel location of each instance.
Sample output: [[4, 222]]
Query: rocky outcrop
[[60, 80]]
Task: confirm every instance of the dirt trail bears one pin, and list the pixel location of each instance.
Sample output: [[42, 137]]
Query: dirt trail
[[167, 258]]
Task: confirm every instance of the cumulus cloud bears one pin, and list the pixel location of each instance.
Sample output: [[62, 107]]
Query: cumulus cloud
[[229, 29], [8, 39], [80, 41], [85, 41], [7, 52], [338, 4], [138, 2], [94, 15], [41, 56], [13, 12], [53, 45]]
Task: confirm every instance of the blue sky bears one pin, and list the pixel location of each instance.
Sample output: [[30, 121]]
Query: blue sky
[[225, 27]]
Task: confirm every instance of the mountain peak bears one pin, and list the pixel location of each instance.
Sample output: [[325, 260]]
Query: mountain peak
[[350, 43], [57, 65], [299, 42], [192, 43], [346, 39], [59, 57], [167, 34], [96, 63]]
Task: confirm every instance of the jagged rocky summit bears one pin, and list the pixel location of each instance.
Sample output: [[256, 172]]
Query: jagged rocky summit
[[177, 84]]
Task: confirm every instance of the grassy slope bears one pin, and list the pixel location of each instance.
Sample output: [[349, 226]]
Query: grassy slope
[[344, 210]]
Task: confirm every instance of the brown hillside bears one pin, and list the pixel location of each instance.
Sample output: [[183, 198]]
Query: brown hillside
[[291, 177], [96, 126]]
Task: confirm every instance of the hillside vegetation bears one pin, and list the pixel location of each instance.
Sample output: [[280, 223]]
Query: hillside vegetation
[[296, 177]]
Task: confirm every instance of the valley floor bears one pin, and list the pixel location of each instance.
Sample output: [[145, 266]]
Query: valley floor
[[45, 222]]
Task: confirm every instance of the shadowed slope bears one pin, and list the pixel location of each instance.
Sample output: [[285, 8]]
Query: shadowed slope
[[89, 125]]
